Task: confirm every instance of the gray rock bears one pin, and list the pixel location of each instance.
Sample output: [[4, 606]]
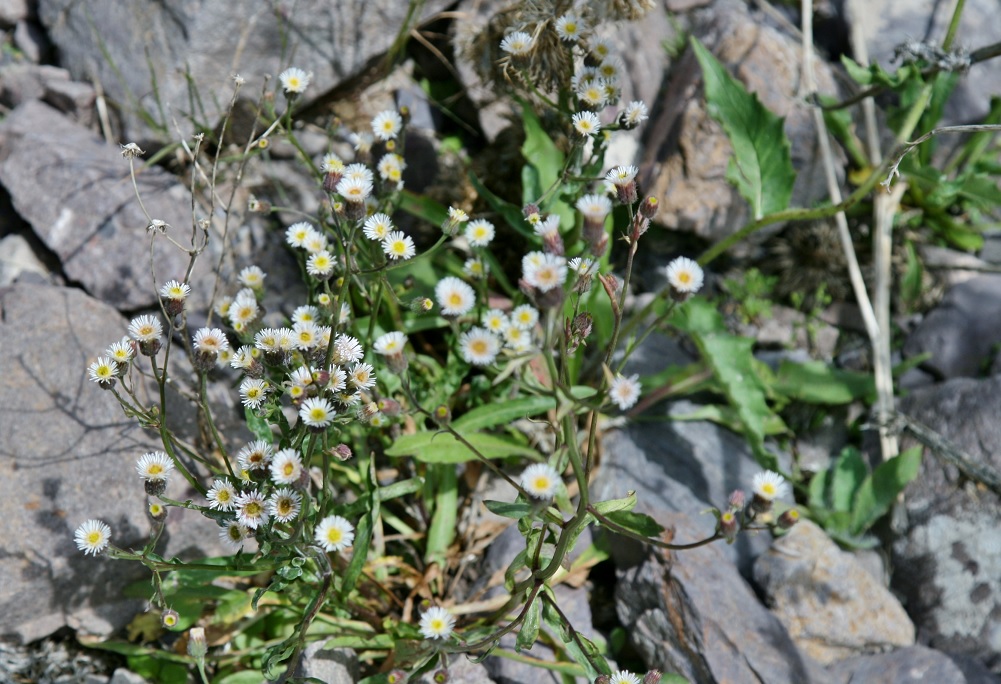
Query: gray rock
[[31, 40], [67, 454], [75, 192], [885, 24], [329, 665], [212, 40], [831, 606], [683, 467], [18, 258], [949, 557], [909, 665], [462, 671], [962, 332], [686, 152], [13, 11], [72, 98], [123, 676], [23, 82], [694, 615]]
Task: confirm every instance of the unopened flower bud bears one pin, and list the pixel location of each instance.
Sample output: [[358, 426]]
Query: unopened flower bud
[[653, 677], [330, 181], [552, 243], [728, 526], [354, 211], [341, 452], [456, 217], [626, 192], [396, 677], [197, 645], [640, 226], [603, 679], [421, 305], [579, 329], [155, 487], [441, 676], [737, 500], [441, 415], [258, 206], [529, 210], [157, 511], [648, 209], [788, 518], [169, 618], [390, 407]]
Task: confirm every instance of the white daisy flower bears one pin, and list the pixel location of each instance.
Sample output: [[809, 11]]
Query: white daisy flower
[[386, 125], [154, 466], [611, 68], [624, 677], [332, 163], [296, 234], [454, 296], [354, 189], [621, 175], [121, 352], [145, 329], [474, 268], [624, 392], [769, 486], [479, 346], [286, 467], [398, 245], [316, 412], [92, 537], [377, 227], [222, 495], [176, 290], [634, 113], [540, 480], [251, 509], [437, 623], [569, 27], [253, 392], [255, 456], [391, 167], [233, 534], [517, 44], [294, 80], [594, 207], [479, 233], [525, 316], [389, 344], [103, 371], [347, 349], [586, 123], [334, 533], [284, 504], [210, 340], [361, 376], [685, 275], [320, 264], [592, 93], [305, 313], [252, 277], [495, 321], [549, 273]]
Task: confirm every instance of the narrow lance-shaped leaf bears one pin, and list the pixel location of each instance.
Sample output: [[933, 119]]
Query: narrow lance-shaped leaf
[[761, 166]]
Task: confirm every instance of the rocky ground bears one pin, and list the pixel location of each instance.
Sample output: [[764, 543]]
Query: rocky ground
[[74, 265]]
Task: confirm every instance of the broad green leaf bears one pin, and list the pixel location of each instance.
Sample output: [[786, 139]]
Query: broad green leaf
[[880, 490], [815, 382], [640, 523], [981, 191], [423, 207], [503, 413], [258, 426], [509, 509], [627, 503], [540, 153], [761, 166], [401, 488], [817, 490], [511, 213], [847, 476], [442, 486], [728, 418], [732, 362], [529, 631], [442, 447]]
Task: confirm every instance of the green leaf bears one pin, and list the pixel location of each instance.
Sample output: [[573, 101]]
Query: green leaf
[[423, 207], [880, 490], [511, 213], [258, 426], [503, 413], [761, 166], [732, 362], [401, 488], [442, 447], [846, 477], [640, 523], [540, 153], [728, 418], [815, 382], [910, 283], [529, 632], [627, 503], [582, 656], [509, 509], [443, 486]]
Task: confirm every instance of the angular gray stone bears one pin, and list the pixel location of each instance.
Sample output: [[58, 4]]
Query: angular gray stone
[[462, 671], [67, 454], [213, 40], [72, 98], [831, 606], [910, 665], [885, 24], [17, 258], [694, 615], [686, 153], [329, 665], [949, 556], [13, 11], [123, 676], [75, 192], [962, 332], [23, 82]]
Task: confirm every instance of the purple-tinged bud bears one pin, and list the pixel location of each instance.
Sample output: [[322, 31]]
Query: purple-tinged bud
[[342, 452], [169, 618], [728, 526], [653, 677], [788, 518], [648, 209], [737, 500], [441, 676], [441, 415]]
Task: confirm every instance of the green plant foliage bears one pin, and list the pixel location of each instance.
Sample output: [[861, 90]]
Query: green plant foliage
[[761, 166]]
